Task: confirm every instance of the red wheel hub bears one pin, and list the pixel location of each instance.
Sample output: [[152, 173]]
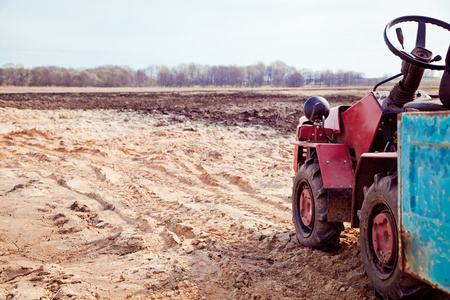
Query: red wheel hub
[[306, 207], [383, 231]]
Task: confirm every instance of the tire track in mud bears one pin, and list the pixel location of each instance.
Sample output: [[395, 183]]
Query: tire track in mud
[[145, 207]]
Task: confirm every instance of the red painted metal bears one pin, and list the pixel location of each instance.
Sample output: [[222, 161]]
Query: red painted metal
[[306, 207], [360, 124], [335, 165], [309, 132], [295, 165], [369, 165], [383, 238]]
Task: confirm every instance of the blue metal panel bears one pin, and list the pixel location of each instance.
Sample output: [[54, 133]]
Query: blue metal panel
[[424, 167]]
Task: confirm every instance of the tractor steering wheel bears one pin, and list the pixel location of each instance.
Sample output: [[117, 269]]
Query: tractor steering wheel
[[420, 39]]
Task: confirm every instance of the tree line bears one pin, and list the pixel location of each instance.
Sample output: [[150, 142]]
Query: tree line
[[277, 74]]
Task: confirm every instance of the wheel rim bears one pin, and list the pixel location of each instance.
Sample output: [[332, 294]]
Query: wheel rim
[[306, 208], [382, 238]]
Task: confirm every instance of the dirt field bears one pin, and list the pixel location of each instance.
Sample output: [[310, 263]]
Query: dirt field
[[159, 195]]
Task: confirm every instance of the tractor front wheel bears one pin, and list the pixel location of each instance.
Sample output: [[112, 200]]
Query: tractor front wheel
[[309, 207]]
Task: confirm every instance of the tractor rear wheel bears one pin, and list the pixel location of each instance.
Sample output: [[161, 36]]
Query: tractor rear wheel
[[309, 207], [379, 241]]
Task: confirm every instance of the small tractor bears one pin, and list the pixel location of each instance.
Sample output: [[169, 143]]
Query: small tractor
[[383, 164]]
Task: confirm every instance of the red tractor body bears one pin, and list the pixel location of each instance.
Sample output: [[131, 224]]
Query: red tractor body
[[354, 129], [347, 164]]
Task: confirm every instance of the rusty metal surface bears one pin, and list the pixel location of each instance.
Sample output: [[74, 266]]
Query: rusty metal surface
[[424, 193], [335, 165]]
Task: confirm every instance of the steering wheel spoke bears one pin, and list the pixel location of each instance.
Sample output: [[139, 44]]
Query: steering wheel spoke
[[421, 34]]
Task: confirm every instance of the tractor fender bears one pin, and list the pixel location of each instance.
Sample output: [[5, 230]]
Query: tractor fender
[[369, 165], [335, 165], [337, 176]]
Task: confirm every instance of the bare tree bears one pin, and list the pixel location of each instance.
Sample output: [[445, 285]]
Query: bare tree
[[164, 76], [16, 74], [254, 74], [141, 78], [295, 80], [277, 73]]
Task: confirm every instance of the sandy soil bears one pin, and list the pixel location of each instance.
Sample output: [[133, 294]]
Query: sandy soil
[[167, 196]]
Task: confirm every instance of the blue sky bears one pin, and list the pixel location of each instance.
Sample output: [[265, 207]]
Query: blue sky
[[317, 35]]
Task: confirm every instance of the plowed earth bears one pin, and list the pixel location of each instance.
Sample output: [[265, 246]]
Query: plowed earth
[[159, 195]]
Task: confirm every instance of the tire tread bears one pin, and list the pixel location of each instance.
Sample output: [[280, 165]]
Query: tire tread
[[325, 235]]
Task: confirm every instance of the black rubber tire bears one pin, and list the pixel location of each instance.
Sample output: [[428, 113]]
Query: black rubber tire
[[321, 235], [388, 281]]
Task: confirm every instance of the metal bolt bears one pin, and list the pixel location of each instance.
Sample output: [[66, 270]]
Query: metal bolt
[[327, 161], [345, 161]]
